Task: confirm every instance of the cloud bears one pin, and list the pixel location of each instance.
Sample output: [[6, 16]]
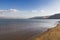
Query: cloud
[[12, 13], [46, 10], [54, 7], [15, 13], [51, 9], [34, 11]]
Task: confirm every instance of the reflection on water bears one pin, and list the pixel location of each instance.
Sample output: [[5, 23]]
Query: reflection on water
[[26, 26], [18, 25]]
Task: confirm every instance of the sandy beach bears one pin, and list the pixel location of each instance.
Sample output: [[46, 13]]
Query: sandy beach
[[50, 34]]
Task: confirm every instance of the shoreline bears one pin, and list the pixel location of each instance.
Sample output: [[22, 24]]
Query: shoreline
[[22, 35], [50, 32]]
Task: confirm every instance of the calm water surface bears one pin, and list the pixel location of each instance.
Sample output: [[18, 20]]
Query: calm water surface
[[8, 25], [25, 26]]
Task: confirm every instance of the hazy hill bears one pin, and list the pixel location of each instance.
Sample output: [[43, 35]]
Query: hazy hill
[[41, 17], [55, 16], [50, 34]]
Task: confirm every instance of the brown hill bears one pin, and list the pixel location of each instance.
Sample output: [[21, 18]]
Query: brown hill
[[50, 34]]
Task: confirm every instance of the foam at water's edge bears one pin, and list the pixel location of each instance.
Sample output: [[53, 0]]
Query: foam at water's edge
[[58, 22]]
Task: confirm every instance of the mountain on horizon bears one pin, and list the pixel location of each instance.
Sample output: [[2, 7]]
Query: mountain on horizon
[[55, 16]]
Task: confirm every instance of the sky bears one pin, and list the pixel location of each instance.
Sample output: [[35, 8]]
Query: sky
[[28, 8]]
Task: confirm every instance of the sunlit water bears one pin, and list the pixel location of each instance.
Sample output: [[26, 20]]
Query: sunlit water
[[25, 26]]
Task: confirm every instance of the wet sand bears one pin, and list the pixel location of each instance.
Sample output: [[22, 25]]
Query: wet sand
[[19, 35]]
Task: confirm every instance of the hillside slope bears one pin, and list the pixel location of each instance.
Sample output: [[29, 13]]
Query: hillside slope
[[50, 34], [55, 16]]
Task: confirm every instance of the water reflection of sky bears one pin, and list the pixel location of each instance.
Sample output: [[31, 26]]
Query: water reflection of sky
[[26, 25]]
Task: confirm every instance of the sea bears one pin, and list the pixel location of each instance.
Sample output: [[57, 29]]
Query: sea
[[29, 27], [8, 25]]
